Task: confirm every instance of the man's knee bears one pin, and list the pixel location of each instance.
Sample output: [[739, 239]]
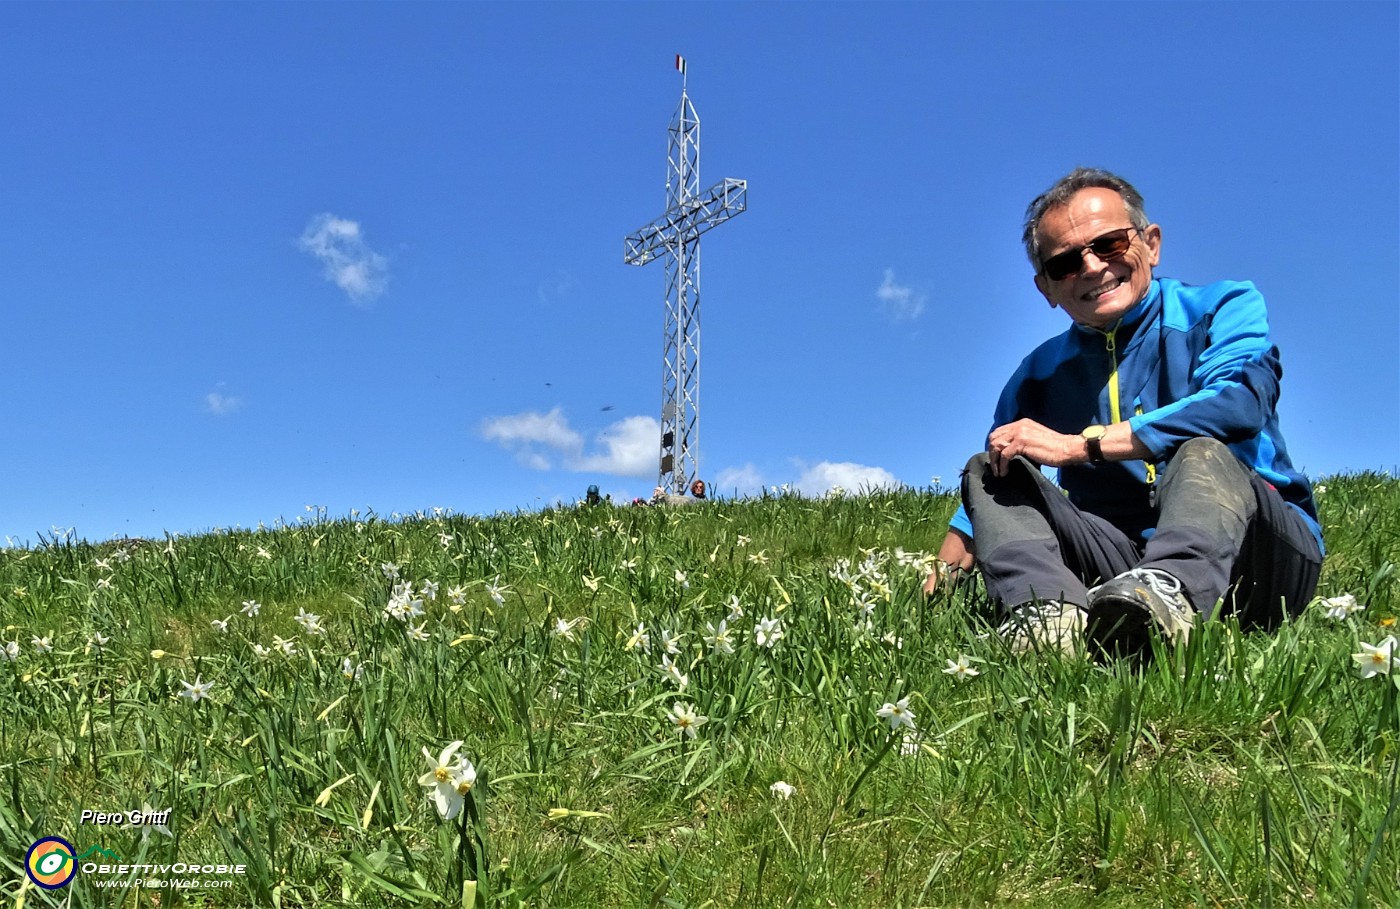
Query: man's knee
[[1209, 458], [1204, 448], [976, 465], [1207, 470]]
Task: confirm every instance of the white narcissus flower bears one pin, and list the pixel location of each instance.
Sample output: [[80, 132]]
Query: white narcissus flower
[[449, 779], [670, 643], [351, 670], [97, 641], [195, 691], [897, 714], [640, 639], [42, 644], [251, 608], [1340, 608], [961, 668], [497, 591], [403, 606], [10, 652], [1375, 659], [782, 790], [564, 628], [429, 590], [309, 621], [718, 638], [288, 648], [672, 672], [736, 609], [390, 570], [220, 625], [684, 717], [261, 651], [681, 579], [418, 632], [768, 632]]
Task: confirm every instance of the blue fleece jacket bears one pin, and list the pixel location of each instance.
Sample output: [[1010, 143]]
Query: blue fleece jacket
[[1192, 361]]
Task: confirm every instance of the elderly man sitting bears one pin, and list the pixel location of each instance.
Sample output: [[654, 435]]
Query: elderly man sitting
[[1157, 406]]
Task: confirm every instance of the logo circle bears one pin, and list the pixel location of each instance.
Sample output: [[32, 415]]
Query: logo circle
[[50, 862]]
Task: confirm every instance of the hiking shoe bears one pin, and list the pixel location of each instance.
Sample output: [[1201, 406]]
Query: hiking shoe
[[1044, 626], [1124, 612]]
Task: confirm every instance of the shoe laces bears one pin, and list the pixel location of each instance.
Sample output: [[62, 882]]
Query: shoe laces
[[1034, 613], [1164, 584]]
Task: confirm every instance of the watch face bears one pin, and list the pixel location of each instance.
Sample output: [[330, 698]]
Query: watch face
[[1093, 432]]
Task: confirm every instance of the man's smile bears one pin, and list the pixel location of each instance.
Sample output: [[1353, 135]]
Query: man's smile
[[1100, 291]]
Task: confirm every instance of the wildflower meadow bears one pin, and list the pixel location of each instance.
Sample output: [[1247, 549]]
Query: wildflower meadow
[[745, 703]]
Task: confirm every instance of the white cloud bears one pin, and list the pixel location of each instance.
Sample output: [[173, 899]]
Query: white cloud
[[551, 429], [220, 404], [630, 447], [347, 262], [525, 434], [822, 478], [900, 303], [743, 481]]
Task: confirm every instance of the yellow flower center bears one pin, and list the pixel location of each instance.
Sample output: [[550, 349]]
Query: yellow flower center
[[441, 775], [464, 787]]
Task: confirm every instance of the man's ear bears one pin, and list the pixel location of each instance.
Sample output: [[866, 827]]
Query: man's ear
[[1042, 284], [1152, 236]]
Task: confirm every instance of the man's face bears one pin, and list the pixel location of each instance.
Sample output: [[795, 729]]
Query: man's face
[[1102, 291]]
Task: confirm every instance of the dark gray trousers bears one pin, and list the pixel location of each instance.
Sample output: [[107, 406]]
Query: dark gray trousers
[[1221, 530]]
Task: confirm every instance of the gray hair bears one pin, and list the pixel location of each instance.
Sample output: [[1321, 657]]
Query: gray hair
[[1060, 194]]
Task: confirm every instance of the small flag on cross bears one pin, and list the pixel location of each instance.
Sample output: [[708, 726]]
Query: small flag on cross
[[680, 64]]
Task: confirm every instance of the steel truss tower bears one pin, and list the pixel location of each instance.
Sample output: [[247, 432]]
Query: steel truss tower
[[676, 234]]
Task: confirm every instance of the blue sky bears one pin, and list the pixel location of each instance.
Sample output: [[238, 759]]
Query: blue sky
[[369, 256]]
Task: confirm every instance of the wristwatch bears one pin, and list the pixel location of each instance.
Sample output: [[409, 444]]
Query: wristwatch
[[1093, 437]]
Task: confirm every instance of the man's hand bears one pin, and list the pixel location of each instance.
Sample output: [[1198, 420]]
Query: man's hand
[[1034, 441], [943, 577], [955, 559]]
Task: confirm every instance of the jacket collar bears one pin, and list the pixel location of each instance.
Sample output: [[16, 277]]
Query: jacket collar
[[1130, 319]]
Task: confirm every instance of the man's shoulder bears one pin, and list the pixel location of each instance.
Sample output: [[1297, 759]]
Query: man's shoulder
[[1051, 352], [1186, 304]]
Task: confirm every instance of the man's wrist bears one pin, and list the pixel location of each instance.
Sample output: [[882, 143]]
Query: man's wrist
[[1093, 443]]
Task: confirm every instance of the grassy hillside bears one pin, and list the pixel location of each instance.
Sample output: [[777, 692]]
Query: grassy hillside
[[276, 691]]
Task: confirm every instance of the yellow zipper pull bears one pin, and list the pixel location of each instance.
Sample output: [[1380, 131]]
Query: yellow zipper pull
[[1150, 466], [1110, 339]]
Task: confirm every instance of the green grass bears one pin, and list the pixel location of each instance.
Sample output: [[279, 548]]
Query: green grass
[[1241, 770]]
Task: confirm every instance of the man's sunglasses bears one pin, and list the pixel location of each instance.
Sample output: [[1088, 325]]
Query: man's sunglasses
[[1107, 247]]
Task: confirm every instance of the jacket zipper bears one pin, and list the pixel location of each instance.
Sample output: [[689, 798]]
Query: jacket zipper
[[1115, 411]]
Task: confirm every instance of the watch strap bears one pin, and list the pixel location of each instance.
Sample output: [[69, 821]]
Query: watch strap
[[1095, 447]]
